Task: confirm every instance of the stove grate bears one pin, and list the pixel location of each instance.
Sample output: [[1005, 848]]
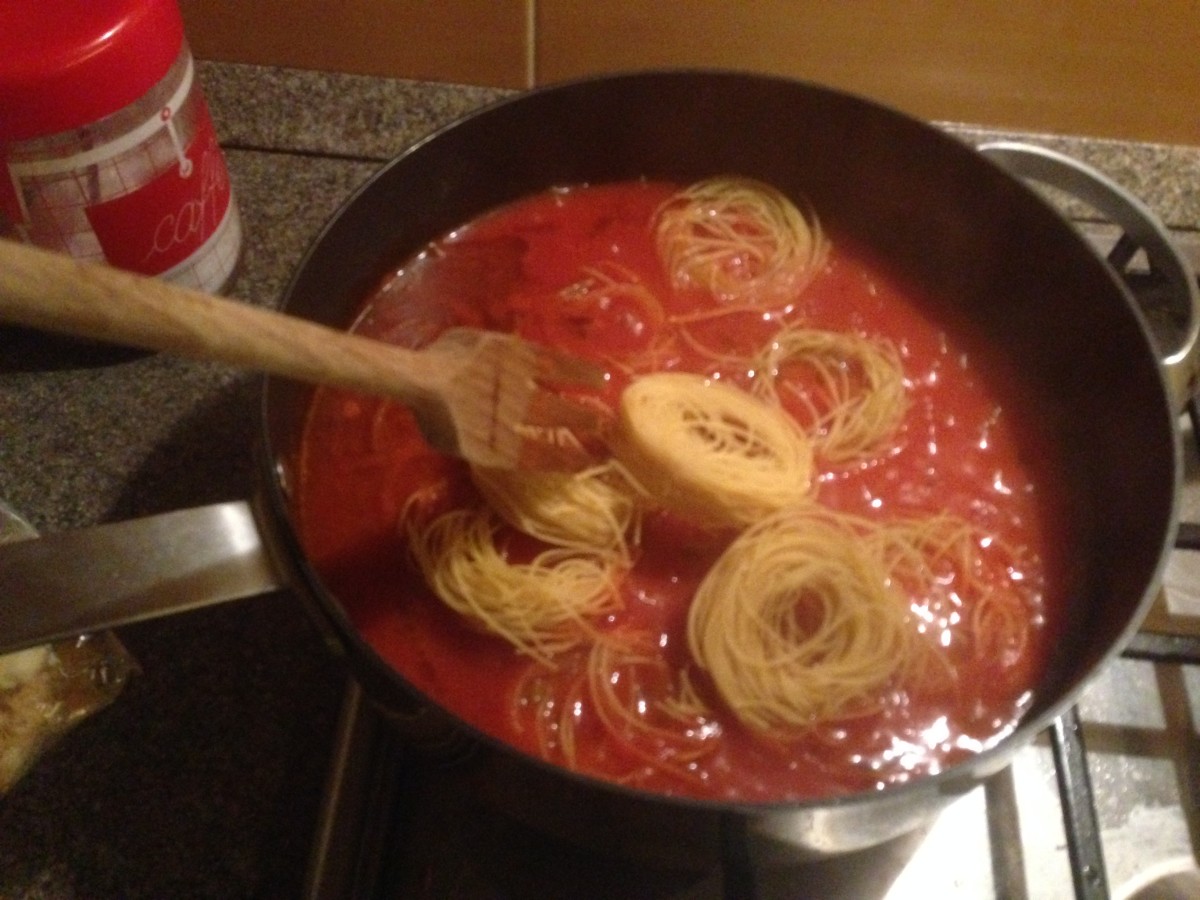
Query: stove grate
[[1163, 644]]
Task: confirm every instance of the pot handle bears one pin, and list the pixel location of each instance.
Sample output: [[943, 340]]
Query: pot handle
[[73, 582], [1170, 274]]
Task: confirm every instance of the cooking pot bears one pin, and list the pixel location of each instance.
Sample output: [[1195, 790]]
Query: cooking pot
[[965, 224]]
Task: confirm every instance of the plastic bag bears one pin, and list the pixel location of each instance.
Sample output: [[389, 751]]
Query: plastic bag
[[47, 690]]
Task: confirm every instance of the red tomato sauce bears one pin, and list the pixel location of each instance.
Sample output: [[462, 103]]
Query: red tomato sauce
[[974, 443]]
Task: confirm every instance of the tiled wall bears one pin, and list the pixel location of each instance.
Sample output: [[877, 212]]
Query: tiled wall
[[1115, 68]]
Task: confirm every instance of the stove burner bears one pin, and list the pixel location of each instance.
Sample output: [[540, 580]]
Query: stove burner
[[411, 818], [408, 815]]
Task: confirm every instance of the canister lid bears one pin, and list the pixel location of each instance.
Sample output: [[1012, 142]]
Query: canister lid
[[72, 62]]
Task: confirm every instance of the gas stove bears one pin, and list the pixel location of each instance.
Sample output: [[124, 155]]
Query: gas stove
[[1104, 804]]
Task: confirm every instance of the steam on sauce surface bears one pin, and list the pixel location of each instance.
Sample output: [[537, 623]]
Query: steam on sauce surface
[[963, 505]]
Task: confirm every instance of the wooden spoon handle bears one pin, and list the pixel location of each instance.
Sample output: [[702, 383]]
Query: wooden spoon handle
[[53, 292]]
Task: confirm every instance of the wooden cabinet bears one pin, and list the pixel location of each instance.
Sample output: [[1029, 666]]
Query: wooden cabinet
[[1121, 68], [466, 41], [1110, 68]]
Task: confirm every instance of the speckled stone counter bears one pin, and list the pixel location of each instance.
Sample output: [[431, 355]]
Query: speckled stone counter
[[205, 778]]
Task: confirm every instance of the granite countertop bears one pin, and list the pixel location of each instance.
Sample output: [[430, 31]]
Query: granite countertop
[[205, 778]]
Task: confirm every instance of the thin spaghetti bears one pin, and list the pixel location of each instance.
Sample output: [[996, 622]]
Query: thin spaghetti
[[550, 702], [797, 625], [593, 509], [543, 607], [650, 711], [849, 386], [621, 686], [964, 585], [709, 451], [610, 305], [741, 240]]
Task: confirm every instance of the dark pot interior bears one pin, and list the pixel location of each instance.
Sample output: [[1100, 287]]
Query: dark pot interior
[[930, 207]]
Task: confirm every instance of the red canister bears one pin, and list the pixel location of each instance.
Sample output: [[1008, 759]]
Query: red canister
[[107, 149]]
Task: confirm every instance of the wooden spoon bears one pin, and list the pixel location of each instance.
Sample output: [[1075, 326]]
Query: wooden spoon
[[485, 396]]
